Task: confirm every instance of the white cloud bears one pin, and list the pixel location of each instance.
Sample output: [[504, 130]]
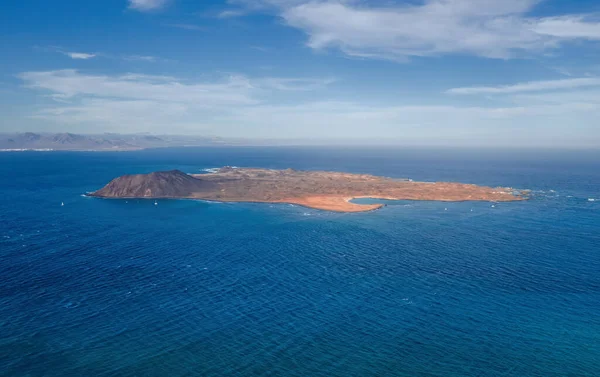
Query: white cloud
[[71, 83], [234, 90], [87, 56], [569, 27], [147, 5], [80, 55], [231, 13], [532, 86], [481, 27], [486, 28], [147, 101]]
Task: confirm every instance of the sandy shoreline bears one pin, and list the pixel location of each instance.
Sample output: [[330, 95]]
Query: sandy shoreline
[[332, 203], [344, 203], [340, 204]]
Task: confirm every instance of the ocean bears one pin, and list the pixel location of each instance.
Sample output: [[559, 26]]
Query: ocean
[[100, 287]]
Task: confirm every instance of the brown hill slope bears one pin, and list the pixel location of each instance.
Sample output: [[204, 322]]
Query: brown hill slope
[[162, 184]]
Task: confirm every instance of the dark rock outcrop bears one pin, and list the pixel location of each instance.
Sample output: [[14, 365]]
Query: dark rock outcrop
[[162, 184]]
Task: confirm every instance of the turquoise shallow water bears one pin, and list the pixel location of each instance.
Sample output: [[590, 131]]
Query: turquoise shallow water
[[129, 288]]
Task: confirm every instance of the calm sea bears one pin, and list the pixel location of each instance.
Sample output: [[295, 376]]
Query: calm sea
[[128, 288]]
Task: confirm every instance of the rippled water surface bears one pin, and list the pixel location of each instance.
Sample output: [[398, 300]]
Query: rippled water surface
[[129, 288]]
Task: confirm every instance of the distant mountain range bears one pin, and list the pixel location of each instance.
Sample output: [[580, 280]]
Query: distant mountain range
[[102, 142]]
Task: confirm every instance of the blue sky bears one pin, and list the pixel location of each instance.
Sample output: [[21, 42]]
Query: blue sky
[[439, 72]]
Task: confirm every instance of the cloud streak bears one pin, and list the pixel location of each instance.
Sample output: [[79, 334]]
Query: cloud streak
[[233, 90], [80, 55], [142, 58], [88, 56], [70, 84], [231, 13], [532, 86], [569, 27]]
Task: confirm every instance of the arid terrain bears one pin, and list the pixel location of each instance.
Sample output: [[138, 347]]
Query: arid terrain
[[330, 191]]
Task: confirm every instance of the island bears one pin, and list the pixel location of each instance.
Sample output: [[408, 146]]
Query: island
[[324, 190]]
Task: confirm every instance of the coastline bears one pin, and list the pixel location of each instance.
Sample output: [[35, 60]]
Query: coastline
[[328, 191], [332, 204], [345, 205], [339, 204]]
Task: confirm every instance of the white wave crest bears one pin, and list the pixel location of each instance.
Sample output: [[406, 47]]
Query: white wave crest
[[216, 170]]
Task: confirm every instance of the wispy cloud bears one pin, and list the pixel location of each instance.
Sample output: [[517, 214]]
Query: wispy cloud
[[579, 26], [80, 55], [70, 54], [87, 56], [143, 58], [71, 84], [393, 31], [532, 86], [147, 5], [293, 84], [231, 13], [231, 90], [147, 100], [485, 28]]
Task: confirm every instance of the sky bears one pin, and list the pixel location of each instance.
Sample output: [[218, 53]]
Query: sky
[[414, 72]]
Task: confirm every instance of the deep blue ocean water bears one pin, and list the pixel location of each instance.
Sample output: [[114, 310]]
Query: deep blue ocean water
[[129, 288]]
